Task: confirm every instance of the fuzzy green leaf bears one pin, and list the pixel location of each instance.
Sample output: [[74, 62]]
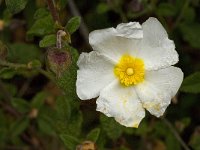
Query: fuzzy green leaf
[[48, 41], [19, 126], [38, 100], [93, 135], [23, 53], [69, 141], [15, 6], [73, 24], [42, 27], [111, 127], [191, 84], [20, 104]]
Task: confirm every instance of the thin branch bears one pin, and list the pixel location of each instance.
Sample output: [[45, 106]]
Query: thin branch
[[53, 10], [83, 28], [175, 133]]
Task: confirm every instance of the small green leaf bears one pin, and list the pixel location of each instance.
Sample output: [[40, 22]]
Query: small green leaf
[[48, 40], [38, 100], [63, 107], [93, 135], [69, 141], [42, 26], [19, 126], [7, 73], [23, 53], [111, 127], [102, 8], [15, 6], [20, 104], [191, 84], [73, 24], [45, 124], [41, 13]]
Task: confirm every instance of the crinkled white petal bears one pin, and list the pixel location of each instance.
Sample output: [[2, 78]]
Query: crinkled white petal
[[121, 103], [95, 72], [130, 30], [159, 88], [155, 48], [114, 43]]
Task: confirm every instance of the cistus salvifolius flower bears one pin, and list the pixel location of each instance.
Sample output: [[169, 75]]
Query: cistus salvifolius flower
[[130, 70]]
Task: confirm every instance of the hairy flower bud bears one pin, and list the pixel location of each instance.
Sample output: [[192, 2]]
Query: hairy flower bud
[[2, 24], [58, 60]]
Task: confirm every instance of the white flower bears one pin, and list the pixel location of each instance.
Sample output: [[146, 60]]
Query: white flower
[[130, 70]]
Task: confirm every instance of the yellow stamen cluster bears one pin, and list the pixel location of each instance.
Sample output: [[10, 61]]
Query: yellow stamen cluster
[[130, 70]]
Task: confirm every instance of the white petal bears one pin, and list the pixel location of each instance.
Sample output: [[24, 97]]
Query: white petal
[[112, 43], [95, 72], [130, 30], [159, 88], [121, 103], [156, 49]]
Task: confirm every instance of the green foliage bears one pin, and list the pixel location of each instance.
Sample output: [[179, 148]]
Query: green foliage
[[17, 52], [190, 34], [111, 127], [7, 73], [73, 24], [42, 26], [15, 6], [93, 135], [48, 41], [167, 9], [191, 84], [20, 104], [19, 126], [70, 141]]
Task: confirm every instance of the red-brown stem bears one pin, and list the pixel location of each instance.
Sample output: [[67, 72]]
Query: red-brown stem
[[53, 11]]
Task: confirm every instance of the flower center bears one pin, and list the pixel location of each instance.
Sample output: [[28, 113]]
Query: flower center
[[129, 70]]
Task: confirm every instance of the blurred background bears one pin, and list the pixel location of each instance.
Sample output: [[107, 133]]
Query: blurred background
[[39, 108]]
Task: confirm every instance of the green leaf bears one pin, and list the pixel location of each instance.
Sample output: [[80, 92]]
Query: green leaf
[[45, 124], [111, 127], [41, 13], [63, 107], [93, 135], [102, 8], [20, 104], [19, 126], [69, 141], [190, 33], [38, 100], [172, 142], [48, 40], [191, 84], [73, 24], [42, 26], [166, 9], [15, 6], [23, 53], [7, 73]]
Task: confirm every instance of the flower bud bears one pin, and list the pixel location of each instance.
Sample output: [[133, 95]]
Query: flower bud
[[87, 145], [2, 24], [58, 60]]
